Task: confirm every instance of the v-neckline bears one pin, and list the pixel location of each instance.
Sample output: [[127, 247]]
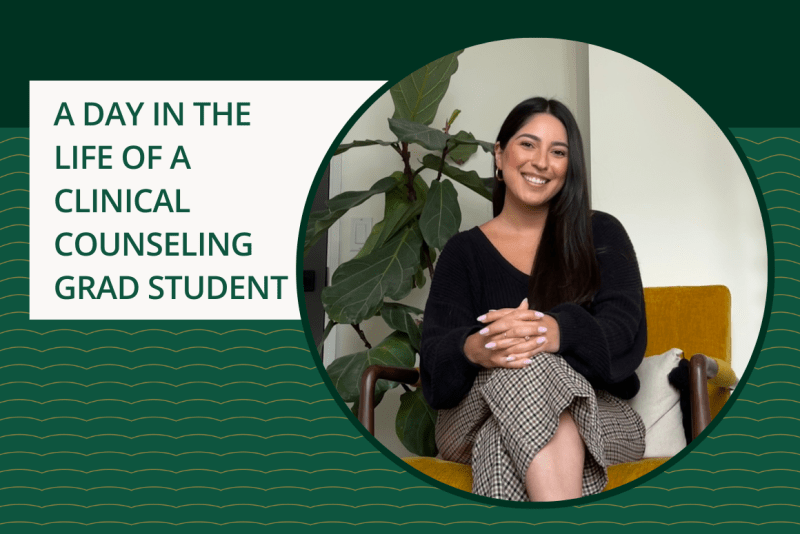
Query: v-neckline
[[523, 276]]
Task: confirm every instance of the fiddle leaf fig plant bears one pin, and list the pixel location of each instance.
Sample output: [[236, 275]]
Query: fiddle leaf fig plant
[[418, 220]]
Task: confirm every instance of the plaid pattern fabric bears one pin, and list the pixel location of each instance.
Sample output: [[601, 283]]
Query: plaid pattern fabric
[[510, 414]]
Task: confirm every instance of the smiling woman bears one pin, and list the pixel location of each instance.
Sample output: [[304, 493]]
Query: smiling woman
[[529, 394]]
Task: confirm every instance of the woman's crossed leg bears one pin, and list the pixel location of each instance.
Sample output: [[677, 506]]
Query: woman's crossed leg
[[556, 472]]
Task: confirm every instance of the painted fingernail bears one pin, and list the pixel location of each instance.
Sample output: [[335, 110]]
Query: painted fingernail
[[527, 338], [510, 359], [481, 318], [527, 362], [484, 331], [490, 345], [542, 329], [541, 340], [538, 315]]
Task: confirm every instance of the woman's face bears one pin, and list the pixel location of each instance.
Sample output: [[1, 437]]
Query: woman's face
[[535, 161]]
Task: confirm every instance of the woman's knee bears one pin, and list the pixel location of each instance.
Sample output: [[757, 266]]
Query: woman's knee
[[567, 434], [567, 422]]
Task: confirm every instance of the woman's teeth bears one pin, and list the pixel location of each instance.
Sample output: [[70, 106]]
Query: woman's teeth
[[534, 180]]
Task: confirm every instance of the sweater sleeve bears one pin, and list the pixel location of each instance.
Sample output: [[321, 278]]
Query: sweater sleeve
[[450, 317], [606, 341]]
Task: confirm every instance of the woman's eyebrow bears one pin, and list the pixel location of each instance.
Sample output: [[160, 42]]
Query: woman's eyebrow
[[535, 138]]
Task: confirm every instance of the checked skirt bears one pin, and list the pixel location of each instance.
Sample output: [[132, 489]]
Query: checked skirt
[[510, 414]]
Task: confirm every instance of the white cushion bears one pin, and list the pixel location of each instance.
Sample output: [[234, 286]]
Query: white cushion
[[658, 403]]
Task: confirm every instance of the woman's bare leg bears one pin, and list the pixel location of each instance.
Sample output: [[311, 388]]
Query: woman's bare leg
[[556, 472]]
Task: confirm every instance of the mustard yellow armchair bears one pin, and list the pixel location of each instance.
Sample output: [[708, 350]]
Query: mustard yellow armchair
[[695, 319]]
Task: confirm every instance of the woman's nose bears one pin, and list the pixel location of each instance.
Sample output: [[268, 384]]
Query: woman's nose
[[539, 159]]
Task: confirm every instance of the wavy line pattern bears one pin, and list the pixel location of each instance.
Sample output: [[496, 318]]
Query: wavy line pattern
[[66, 388], [179, 437], [773, 156], [366, 488], [307, 367], [168, 401], [438, 523], [163, 384], [210, 471], [153, 348], [767, 140], [265, 455], [307, 506], [88, 387], [191, 331], [178, 420]]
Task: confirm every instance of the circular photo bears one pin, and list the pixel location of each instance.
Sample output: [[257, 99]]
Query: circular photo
[[535, 270]]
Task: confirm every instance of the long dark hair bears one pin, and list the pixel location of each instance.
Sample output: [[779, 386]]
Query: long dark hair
[[565, 269]]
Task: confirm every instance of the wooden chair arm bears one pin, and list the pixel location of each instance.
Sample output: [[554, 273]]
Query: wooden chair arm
[[366, 399], [701, 370]]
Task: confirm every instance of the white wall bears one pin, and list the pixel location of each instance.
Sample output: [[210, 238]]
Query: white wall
[[662, 166], [491, 79]]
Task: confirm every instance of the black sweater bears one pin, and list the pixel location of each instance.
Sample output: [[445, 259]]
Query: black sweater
[[604, 341]]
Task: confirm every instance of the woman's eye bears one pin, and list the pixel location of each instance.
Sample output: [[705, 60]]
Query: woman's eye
[[560, 153], [527, 144]]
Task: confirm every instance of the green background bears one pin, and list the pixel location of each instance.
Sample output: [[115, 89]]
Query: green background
[[244, 430]]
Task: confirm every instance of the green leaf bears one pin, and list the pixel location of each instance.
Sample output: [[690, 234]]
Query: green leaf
[[396, 203], [462, 146], [415, 424], [441, 217], [399, 210], [453, 117], [318, 224], [486, 146], [413, 132], [468, 179], [354, 144], [372, 240], [351, 199], [320, 221], [417, 96], [345, 372], [325, 334], [398, 316], [419, 278], [360, 285], [431, 253]]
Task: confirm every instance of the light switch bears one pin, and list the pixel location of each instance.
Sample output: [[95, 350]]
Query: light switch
[[360, 232]]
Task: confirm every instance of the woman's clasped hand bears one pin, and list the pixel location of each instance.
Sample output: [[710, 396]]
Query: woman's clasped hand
[[512, 337]]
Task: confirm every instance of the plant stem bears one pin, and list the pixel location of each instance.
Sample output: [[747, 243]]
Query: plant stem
[[427, 253], [405, 154], [362, 336], [441, 164]]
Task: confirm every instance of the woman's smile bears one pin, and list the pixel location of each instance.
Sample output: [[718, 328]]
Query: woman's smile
[[534, 180]]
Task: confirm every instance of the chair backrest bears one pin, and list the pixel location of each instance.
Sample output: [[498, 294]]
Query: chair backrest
[[693, 319]]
